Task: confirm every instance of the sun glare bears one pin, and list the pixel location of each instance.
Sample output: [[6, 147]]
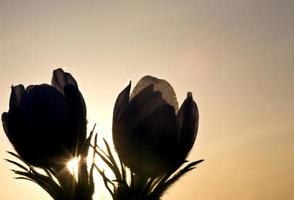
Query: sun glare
[[73, 166]]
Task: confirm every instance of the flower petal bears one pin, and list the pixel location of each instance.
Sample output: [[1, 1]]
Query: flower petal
[[121, 103], [188, 119], [142, 105], [150, 147], [44, 125], [5, 119], [16, 95], [146, 101], [13, 124], [78, 119], [60, 79], [161, 85]]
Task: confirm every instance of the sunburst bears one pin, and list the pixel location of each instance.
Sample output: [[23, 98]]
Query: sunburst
[[73, 166]]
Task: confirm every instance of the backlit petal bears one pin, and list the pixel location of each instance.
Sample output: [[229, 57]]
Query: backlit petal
[[161, 85], [121, 103], [16, 95], [150, 147], [60, 79], [188, 118]]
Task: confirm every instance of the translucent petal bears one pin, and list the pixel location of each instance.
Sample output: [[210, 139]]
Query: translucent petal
[[60, 79], [168, 93]]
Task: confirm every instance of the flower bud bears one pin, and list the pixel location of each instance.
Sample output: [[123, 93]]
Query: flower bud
[[46, 124], [151, 135]]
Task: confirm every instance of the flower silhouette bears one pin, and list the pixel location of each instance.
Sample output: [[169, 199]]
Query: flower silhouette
[[47, 123], [151, 135]]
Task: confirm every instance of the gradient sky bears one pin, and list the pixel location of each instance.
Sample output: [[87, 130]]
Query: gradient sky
[[235, 56]]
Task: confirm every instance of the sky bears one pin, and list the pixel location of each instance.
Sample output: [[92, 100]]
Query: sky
[[235, 56]]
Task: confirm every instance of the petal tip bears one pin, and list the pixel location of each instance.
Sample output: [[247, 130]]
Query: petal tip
[[189, 95], [60, 79], [16, 95], [59, 69]]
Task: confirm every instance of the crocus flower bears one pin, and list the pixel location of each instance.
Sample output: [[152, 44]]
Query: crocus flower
[[46, 124], [151, 135]]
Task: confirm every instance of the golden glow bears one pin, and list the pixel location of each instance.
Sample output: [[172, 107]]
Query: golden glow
[[236, 57], [73, 166]]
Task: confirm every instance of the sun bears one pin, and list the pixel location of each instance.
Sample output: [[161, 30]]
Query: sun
[[73, 166], [100, 191]]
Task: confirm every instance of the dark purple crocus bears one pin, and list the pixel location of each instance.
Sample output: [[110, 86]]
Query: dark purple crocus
[[46, 124], [151, 135]]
